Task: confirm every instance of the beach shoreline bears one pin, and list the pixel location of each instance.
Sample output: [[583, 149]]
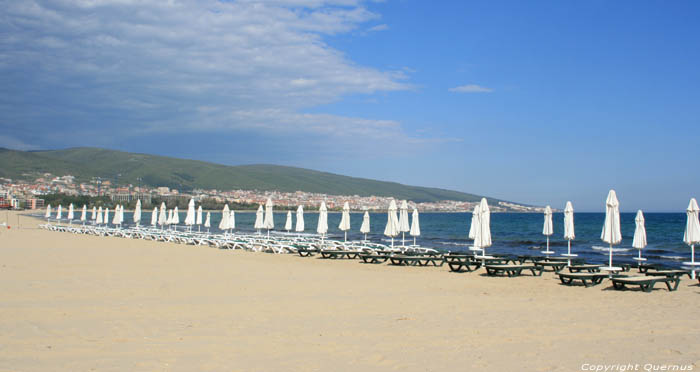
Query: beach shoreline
[[76, 302]]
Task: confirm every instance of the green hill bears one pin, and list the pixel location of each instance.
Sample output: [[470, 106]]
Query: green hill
[[123, 168]]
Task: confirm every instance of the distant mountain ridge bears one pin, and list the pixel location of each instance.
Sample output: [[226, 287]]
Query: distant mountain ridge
[[123, 168]]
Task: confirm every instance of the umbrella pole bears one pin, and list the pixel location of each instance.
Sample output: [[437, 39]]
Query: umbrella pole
[[610, 263], [403, 238], [547, 245], [365, 237], [569, 252], [414, 240], [392, 242], [692, 259], [346, 236]]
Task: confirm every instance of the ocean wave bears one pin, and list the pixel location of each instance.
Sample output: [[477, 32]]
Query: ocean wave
[[457, 244], [607, 249], [674, 258]]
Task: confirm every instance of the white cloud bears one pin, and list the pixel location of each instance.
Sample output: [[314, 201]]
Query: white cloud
[[381, 27], [471, 88], [193, 65]]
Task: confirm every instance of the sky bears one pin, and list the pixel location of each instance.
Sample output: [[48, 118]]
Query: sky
[[537, 102]]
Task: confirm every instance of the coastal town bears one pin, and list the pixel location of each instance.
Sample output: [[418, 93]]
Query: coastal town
[[26, 194]]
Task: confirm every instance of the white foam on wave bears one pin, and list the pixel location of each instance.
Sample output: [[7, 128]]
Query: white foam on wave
[[458, 244], [607, 249], [674, 258]]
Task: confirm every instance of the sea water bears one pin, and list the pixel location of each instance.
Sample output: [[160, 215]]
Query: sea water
[[511, 233]]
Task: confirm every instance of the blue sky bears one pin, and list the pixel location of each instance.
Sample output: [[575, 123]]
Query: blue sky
[[536, 102]]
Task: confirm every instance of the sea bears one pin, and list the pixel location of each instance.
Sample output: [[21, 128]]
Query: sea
[[511, 233]]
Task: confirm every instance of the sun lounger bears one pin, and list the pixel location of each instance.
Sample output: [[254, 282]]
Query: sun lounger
[[307, 251], [529, 258], [591, 268], [418, 260], [336, 254], [668, 273], [588, 279], [374, 258], [643, 268], [556, 266], [645, 283], [512, 270], [460, 263]]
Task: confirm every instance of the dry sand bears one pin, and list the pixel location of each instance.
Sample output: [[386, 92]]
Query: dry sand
[[81, 303]]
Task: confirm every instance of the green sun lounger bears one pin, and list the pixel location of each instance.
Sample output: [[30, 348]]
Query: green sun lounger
[[512, 270], [645, 283], [461, 263], [556, 266], [668, 273], [588, 279], [373, 258], [338, 254], [591, 268], [403, 260], [643, 268], [307, 251]]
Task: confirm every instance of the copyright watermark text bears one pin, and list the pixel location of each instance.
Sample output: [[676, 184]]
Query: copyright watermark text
[[648, 367]]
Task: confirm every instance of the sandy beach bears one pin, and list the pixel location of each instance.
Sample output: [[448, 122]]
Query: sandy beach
[[84, 303]]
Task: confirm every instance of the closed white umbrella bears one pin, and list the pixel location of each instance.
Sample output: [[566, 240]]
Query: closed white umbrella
[[569, 233], [365, 225], [692, 232], [259, 219], [169, 220], [98, 219], [115, 219], [190, 217], [345, 220], [59, 212], [106, 218], [403, 221], [392, 222], [415, 225], [640, 235], [223, 224], [121, 215], [198, 220], [232, 220], [547, 228], [269, 216], [176, 217], [83, 215], [483, 233], [300, 219], [71, 215], [474, 225], [288, 222], [162, 215], [611, 228], [48, 212], [154, 216], [207, 222], [322, 226], [137, 213]]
